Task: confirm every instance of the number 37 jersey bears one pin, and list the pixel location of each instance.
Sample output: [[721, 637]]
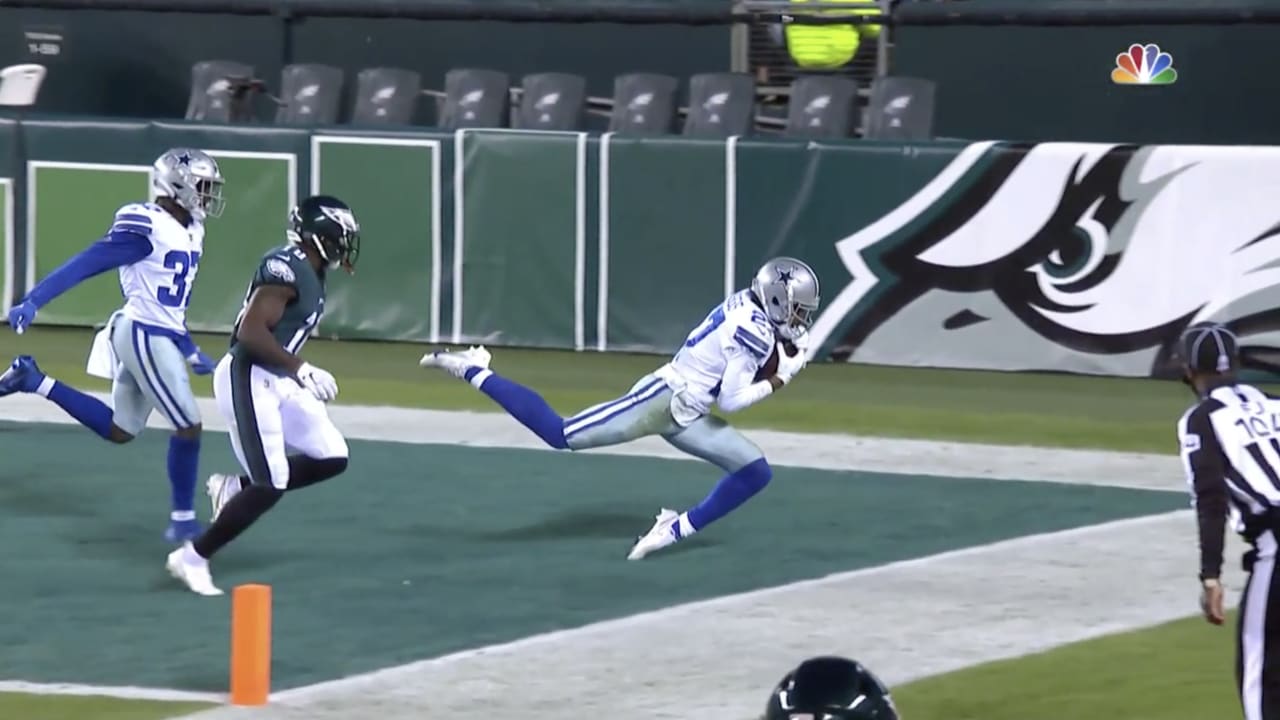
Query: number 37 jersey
[[734, 328], [157, 288], [288, 267]]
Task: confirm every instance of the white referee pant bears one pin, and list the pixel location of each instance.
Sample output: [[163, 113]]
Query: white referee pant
[[267, 415], [1258, 649]]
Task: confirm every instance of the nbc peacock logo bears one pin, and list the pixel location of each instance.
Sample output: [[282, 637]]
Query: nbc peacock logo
[[1144, 65]]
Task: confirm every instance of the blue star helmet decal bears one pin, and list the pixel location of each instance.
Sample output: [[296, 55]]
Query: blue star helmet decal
[[184, 159], [785, 277]]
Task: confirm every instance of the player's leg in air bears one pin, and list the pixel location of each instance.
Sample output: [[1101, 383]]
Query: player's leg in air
[[747, 473], [265, 414], [644, 410], [152, 373]]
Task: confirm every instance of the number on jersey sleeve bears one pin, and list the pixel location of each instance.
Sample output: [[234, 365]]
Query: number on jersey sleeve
[[708, 326], [757, 346]]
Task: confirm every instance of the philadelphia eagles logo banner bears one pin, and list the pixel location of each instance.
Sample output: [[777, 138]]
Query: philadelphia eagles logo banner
[[1073, 257]]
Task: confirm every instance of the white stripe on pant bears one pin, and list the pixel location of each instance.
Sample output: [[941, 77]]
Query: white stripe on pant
[[1259, 691]]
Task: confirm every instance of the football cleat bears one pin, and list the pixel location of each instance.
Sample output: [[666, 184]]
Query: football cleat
[[457, 363], [666, 531], [22, 376], [180, 531], [221, 488], [193, 570]]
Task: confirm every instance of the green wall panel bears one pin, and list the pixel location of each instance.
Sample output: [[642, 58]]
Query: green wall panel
[[393, 187], [523, 227]]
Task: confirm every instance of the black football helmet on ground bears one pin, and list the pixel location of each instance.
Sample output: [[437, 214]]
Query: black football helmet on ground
[[328, 225], [831, 688]]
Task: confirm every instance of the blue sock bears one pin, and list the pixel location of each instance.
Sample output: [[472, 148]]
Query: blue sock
[[184, 462], [732, 490], [522, 404], [88, 410]]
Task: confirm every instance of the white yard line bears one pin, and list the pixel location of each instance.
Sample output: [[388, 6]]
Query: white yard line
[[826, 452]]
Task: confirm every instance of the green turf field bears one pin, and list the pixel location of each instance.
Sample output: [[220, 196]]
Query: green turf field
[[1157, 673]]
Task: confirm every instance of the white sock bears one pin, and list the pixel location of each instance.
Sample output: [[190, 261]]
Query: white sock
[[46, 386], [686, 527], [182, 515], [478, 379], [191, 557]]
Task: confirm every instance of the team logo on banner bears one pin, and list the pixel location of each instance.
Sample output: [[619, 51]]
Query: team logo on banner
[[1064, 256]]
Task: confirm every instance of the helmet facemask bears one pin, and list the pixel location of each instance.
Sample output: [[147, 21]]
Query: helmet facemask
[[209, 198]]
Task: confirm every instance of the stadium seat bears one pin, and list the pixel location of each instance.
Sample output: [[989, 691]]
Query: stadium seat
[[214, 96], [309, 94], [551, 101], [721, 105], [386, 96], [901, 108], [822, 107], [643, 103], [475, 99]]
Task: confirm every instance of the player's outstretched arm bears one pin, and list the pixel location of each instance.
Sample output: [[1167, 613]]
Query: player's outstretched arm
[[738, 388], [266, 307], [116, 249]]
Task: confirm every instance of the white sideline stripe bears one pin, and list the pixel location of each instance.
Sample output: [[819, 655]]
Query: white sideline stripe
[[700, 606], [784, 449], [908, 619], [122, 692]]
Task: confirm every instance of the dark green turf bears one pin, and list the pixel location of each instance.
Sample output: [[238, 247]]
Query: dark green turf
[[1005, 408], [423, 550]]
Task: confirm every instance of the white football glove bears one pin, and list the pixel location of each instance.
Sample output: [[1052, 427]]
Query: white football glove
[[319, 382], [801, 341], [790, 365]]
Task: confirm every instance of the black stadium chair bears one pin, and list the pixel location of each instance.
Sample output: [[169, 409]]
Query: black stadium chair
[[386, 96], [218, 93], [721, 105], [643, 103], [309, 94], [901, 108], [475, 99], [822, 106], [551, 101]]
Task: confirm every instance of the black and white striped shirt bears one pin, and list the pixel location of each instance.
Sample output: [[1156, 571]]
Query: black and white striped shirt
[[1230, 444]]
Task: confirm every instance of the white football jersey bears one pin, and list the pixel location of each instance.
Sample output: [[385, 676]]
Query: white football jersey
[[735, 327], [158, 288]]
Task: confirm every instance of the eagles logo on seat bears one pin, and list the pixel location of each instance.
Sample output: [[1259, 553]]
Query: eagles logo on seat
[[830, 688], [330, 227]]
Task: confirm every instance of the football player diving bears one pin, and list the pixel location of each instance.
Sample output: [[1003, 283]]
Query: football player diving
[[719, 364]]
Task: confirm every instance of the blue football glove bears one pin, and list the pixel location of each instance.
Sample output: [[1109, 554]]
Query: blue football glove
[[21, 316], [201, 364]]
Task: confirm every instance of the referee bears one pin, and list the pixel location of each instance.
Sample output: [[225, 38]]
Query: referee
[[1230, 444]]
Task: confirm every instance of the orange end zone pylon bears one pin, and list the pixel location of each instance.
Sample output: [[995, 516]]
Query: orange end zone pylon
[[250, 644]]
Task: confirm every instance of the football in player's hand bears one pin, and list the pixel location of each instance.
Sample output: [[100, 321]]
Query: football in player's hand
[[770, 366]]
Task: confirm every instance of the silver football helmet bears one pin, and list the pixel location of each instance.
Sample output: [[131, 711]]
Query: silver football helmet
[[191, 177], [787, 289]]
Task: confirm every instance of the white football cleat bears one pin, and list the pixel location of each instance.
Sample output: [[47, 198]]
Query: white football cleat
[[662, 534], [456, 363], [193, 570], [221, 488]]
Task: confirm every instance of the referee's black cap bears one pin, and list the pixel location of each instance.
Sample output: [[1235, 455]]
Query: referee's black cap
[[1209, 347]]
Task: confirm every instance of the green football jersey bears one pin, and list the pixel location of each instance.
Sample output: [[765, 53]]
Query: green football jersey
[[288, 266]]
